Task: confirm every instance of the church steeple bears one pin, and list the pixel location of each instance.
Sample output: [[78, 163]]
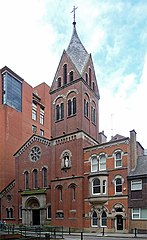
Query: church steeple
[[74, 92], [77, 52]]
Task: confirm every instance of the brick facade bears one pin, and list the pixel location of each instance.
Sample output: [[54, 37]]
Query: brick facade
[[72, 177]]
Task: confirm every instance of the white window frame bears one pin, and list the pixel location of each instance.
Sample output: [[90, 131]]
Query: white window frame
[[42, 116], [101, 220], [118, 160], [94, 166], [136, 185], [135, 213], [119, 184], [92, 225], [104, 186], [102, 163], [96, 186], [34, 112]]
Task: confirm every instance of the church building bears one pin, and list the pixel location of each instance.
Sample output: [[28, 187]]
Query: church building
[[74, 178]]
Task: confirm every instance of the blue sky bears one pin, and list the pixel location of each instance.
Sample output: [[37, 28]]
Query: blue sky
[[34, 34]]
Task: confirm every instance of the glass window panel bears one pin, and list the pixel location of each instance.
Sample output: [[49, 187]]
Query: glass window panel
[[94, 164], [12, 92], [136, 185]]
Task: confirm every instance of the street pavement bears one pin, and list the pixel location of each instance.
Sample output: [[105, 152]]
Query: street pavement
[[107, 236]]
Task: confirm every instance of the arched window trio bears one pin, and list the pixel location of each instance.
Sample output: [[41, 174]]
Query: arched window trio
[[99, 162], [31, 179], [68, 76]]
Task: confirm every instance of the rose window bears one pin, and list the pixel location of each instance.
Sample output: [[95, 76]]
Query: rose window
[[35, 153]]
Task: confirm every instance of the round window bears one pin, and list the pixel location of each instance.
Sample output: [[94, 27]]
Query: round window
[[35, 153]]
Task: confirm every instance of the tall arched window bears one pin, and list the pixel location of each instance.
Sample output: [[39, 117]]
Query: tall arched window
[[94, 219], [72, 106], [102, 162], [26, 179], [7, 213], [35, 178], [44, 177], [86, 76], [59, 111], [118, 185], [86, 108], [71, 76], [96, 186], [90, 77], [94, 164], [118, 159], [103, 219], [65, 74], [11, 212]]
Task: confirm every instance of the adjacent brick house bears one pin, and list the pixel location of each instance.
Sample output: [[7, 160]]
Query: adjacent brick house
[[137, 187]]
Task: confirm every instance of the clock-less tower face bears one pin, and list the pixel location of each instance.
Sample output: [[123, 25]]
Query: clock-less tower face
[[74, 92]]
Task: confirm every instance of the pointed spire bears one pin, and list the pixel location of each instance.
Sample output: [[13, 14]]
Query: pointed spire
[[76, 50]]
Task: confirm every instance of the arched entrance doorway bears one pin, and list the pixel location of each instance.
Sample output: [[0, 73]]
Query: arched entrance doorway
[[119, 217], [33, 211]]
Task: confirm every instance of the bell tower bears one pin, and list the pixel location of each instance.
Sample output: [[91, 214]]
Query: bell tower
[[74, 92], [75, 125]]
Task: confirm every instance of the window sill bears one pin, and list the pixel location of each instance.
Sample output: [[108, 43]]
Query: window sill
[[72, 115]]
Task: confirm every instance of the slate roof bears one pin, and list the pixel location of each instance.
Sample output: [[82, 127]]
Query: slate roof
[[141, 168], [117, 137], [77, 52]]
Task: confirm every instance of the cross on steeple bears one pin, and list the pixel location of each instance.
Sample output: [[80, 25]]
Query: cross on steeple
[[74, 9]]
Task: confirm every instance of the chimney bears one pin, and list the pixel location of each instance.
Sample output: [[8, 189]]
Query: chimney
[[102, 137], [133, 150]]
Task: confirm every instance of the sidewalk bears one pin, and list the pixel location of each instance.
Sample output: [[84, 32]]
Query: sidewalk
[[114, 235]]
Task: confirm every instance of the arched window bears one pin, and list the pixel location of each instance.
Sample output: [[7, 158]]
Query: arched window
[[65, 74], [44, 177], [73, 192], [118, 185], [72, 106], [35, 178], [93, 115], [86, 108], [59, 82], [103, 219], [11, 212], [118, 159], [7, 213], [96, 186], [94, 164], [49, 212], [60, 111], [26, 179], [102, 162], [93, 86], [90, 77], [86, 75], [71, 76], [94, 219], [60, 193]]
